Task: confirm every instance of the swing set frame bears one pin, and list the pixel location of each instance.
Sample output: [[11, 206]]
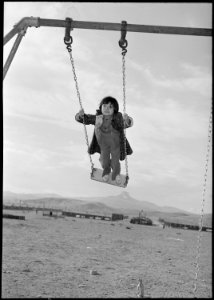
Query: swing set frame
[[21, 27]]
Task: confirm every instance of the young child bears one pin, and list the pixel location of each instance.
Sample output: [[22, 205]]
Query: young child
[[108, 137]]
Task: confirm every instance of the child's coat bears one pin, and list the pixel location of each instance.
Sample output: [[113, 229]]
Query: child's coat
[[117, 124]]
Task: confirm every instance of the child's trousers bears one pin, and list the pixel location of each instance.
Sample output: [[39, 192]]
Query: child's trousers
[[110, 153]]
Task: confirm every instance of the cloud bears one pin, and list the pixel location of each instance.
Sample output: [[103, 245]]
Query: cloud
[[40, 159], [194, 79]]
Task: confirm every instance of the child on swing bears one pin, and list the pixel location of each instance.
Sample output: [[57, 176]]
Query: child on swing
[[108, 137]]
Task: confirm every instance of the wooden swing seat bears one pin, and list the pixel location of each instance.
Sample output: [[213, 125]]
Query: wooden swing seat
[[97, 176]]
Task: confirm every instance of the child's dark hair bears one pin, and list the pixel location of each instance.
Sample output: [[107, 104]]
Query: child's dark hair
[[111, 100]]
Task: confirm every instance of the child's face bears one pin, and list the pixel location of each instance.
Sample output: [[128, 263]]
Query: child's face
[[107, 109]]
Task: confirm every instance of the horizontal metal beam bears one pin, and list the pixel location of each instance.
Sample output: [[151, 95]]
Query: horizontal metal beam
[[129, 27], [37, 22]]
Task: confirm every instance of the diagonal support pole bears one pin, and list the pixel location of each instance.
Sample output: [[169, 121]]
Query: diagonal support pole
[[13, 51]]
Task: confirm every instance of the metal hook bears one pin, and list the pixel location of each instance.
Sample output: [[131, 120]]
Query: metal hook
[[123, 43], [68, 38], [123, 30]]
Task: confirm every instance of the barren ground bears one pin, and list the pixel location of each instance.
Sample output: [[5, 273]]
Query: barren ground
[[51, 257]]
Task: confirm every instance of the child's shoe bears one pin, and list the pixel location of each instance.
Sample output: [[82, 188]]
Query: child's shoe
[[106, 177], [118, 179]]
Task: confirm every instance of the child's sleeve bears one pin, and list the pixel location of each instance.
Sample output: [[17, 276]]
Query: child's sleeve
[[86, 119]]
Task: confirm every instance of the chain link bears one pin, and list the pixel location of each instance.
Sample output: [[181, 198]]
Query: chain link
[[80, 102], [202, 207], [124, 108]]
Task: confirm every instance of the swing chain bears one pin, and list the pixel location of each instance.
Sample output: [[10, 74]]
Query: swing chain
[[203, 200], [124, 111], [68, 41], [123, 43]]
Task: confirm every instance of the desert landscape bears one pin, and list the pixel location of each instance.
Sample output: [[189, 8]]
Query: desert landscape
[[67, 257]]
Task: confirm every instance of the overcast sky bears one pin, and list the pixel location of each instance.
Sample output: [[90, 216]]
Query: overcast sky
[[168, 91]]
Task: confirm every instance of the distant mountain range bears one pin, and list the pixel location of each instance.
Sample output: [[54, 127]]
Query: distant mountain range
[[10, 196], [125, 201], [122, 203]]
